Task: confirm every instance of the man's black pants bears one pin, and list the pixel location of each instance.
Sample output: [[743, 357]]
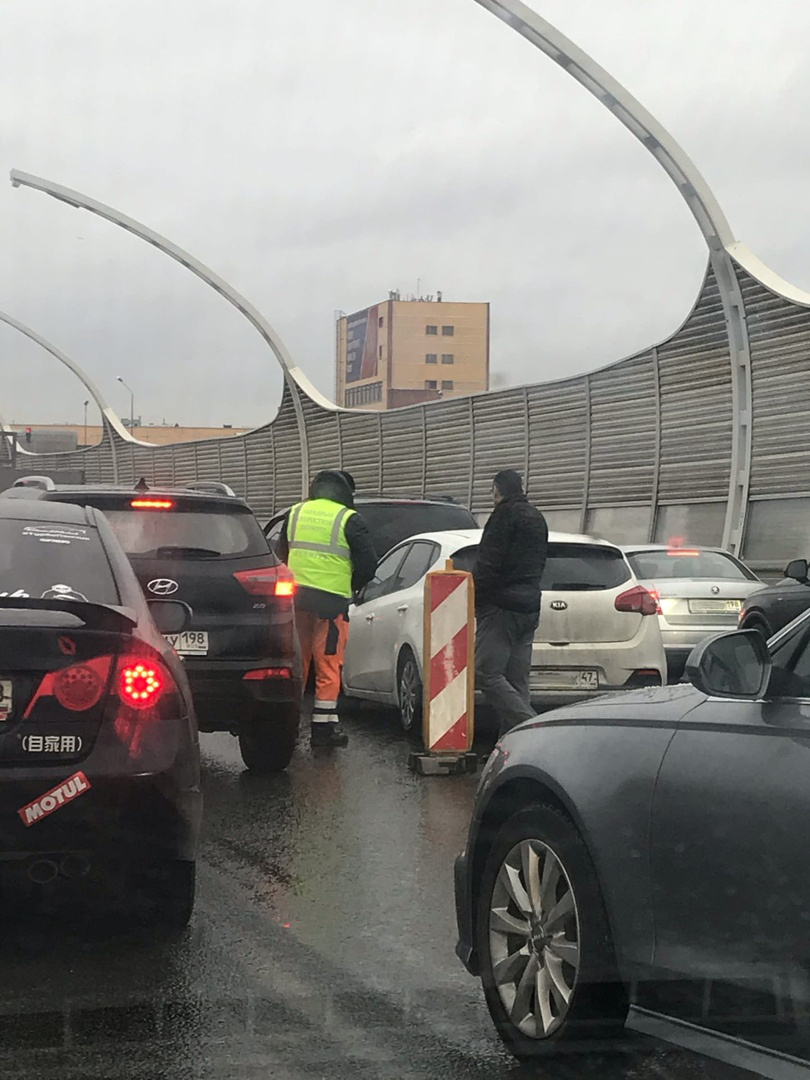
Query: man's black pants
[[503, 659]]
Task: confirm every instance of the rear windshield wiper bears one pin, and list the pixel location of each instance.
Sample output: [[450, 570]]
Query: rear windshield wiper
[[172, 551]]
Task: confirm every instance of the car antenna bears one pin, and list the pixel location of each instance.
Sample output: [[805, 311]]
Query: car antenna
[[142, 485]]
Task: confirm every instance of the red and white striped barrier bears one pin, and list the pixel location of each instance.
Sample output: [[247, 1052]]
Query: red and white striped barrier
[[449, 652]]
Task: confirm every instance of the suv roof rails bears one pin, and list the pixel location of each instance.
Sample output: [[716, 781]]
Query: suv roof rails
[[213, 487], [44, 483]]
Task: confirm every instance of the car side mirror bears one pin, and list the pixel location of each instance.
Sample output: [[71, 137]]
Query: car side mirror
[[797, 569], [736, 665], [170, 616]]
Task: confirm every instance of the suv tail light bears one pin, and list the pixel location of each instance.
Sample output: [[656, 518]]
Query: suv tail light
[[638, 600], [267, 581]]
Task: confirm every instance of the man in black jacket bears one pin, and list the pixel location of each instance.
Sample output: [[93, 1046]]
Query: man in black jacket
[[511, 559]]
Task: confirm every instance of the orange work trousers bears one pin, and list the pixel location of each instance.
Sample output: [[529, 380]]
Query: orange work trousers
[[323, 643]]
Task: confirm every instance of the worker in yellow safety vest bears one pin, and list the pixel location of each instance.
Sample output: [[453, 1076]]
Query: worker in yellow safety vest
[[327, 545]]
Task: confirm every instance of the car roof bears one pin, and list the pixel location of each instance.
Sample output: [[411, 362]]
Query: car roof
[[473, 536], [89, 491], [40, 510]]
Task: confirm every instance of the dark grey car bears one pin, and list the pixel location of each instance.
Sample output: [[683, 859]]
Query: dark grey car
[[656, 835]]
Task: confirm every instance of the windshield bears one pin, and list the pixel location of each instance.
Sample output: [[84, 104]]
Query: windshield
[[687, 563]]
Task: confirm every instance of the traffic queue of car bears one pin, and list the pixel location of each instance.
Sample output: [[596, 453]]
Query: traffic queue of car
[[626, 838]]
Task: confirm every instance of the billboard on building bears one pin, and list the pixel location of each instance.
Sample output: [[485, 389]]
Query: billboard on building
[[361, 345]]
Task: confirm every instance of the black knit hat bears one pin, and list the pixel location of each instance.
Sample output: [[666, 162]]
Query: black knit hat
[[347, 476], [508, 482]]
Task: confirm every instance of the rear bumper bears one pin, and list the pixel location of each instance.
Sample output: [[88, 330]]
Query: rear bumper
[[131, 819], [224, 699], [614, 662]]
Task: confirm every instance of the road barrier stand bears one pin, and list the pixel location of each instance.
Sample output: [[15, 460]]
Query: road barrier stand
[[448, 708]]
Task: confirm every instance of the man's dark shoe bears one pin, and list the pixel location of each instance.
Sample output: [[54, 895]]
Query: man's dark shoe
[[328, 735]]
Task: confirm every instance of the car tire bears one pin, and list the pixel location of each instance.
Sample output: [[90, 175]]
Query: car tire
[[409, 695], [267, 745], [582, 999], [168, 890]]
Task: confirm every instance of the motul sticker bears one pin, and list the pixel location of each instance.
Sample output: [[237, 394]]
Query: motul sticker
[[63, 793]]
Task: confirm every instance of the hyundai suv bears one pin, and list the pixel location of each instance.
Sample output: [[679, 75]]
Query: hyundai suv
[[202, 544]]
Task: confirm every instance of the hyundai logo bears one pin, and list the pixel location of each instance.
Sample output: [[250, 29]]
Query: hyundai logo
[[163, 586], [558, 605]]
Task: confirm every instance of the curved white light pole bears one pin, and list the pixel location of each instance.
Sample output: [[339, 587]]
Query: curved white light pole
[[704, 207], [109, 417], [254, 317]]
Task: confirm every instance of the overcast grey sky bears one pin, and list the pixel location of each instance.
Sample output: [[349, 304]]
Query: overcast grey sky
[[317, 154]]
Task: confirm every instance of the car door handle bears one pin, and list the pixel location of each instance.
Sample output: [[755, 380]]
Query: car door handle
[[370, 618], [402, 608]]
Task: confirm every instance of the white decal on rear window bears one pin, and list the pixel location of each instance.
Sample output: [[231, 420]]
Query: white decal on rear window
[[55, 534]]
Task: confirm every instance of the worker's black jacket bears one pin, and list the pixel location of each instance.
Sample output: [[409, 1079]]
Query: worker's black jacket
[[511, 557]]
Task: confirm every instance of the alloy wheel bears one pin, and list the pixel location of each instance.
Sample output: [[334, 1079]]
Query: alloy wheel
[[534, 938], [409, 690]]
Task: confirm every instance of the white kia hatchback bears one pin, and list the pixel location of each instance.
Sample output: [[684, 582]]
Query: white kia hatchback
[[598, 629]]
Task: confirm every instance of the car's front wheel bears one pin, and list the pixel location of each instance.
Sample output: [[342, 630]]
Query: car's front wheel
[[409, 695], [267, 743], [547, 962]]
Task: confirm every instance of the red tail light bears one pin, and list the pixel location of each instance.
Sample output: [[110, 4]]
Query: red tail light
[[77, 688], [152, 504], [267, 581], [260, 674], [638, 600], [141, 681]]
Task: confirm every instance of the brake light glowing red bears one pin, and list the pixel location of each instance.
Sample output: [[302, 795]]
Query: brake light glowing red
[[77, 688], [639, 601], [267, 581], [152, 504], [140, 682], [260, 674], [690, 553]]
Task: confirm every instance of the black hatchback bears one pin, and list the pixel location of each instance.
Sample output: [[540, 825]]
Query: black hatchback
[[203, 545], [99, 753]]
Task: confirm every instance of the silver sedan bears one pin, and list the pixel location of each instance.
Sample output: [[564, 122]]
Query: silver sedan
[[700, 591]]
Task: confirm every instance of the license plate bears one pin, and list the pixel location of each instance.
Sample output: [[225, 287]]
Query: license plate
[[715, 607], [6, 699], [555, 679], [190, 642]]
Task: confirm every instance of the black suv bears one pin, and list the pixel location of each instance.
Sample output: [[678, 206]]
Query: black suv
[[203, 545], [392, 519]]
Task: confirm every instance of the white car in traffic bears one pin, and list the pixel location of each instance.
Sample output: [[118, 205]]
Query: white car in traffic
[[597, 632]]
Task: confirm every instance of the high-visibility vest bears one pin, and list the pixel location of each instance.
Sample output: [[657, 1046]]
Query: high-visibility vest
[[319, 552]]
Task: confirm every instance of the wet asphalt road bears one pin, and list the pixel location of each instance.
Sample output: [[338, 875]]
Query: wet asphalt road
[[322, 945]]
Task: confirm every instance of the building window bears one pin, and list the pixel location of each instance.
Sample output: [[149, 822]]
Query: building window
[[380, 321], [432, 330], [356, 396], [447, 384], [431, 358], [381, 352], [448, 358], [448, 331], [430, 384]]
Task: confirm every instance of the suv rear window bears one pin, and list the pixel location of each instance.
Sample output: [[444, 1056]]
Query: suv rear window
[[584, 567], [55, 561], [182, 533], [390, 522]]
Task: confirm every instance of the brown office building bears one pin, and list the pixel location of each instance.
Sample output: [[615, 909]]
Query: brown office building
[[401, 352]]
